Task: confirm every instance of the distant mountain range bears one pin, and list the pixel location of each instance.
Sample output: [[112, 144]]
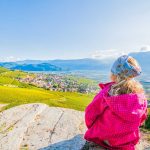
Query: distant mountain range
[[75, 64], [36, 67], [56, 65], [143, 59]]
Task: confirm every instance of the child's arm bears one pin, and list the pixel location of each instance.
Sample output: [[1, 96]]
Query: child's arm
[[144, 117], [145, 114], [93, 110]]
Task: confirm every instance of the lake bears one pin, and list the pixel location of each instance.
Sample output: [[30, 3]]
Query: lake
[[99, 76]]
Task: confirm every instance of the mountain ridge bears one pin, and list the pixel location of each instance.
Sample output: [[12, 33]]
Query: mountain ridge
[[74, 64], [64, 65]]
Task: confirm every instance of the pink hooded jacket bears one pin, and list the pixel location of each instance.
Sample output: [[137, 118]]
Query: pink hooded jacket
[[115, 119]]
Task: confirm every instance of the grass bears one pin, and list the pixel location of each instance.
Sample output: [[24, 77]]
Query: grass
[[9, 78], [15, 74], [2, 70], [18, 96], [7, 81], [146, 133], [16, 93]]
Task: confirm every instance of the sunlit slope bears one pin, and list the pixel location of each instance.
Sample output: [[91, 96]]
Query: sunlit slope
[[17, 96], [3, 70], [13, 93], [9, 78]]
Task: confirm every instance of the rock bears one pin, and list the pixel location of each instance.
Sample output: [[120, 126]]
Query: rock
[[40, 127], [37, 126]]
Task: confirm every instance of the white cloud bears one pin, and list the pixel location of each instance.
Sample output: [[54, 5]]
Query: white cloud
[[9, 59], [111, 54], [108, 54], [145, 48]]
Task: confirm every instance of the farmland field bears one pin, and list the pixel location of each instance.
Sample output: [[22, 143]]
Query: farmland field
[[17, 96], [13, 93]]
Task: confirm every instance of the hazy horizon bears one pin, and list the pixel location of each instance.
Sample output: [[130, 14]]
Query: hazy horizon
[[106, 56]]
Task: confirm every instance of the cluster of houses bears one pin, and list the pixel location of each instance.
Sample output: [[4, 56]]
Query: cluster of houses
[[55, 82]]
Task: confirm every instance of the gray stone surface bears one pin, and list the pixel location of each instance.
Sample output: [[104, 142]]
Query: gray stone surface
[[40, 127], [37, 126]]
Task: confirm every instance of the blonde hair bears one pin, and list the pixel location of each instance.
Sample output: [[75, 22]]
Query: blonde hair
[[129, 85]]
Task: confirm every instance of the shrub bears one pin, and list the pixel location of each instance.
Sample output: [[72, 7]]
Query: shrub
[[147, 122]]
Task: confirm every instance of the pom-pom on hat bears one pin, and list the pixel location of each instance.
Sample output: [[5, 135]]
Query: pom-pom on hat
[[122, 67]]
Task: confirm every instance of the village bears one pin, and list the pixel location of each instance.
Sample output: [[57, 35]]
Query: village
[[54, 82]]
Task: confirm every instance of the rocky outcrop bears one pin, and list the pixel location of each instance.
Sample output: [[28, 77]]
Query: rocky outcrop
[[40, 127], [37, 126]]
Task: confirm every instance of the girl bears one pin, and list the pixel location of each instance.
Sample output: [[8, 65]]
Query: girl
[[116, 112]]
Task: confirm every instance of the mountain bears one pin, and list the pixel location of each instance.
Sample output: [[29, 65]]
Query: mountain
[[74, 64], [55, 65], [8, 64], [36, 67], [32, 62], [80, 64], [144, 60]]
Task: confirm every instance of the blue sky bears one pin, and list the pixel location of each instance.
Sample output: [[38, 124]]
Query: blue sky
[[68, 29]]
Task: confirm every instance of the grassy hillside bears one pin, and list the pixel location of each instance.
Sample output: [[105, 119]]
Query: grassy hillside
[[9, 78], [15, 74], [16, 93], [3, 70], [10, 82], [17, 96]]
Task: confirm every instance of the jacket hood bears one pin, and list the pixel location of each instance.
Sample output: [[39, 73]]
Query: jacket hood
[[129, 107]]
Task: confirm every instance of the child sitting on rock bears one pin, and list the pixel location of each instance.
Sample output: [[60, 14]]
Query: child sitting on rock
[[114, 116]]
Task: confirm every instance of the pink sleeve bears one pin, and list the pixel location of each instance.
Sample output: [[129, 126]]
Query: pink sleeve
[[93, 110], [144, 116]]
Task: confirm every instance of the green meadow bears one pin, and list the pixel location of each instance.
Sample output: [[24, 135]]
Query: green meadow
[[13, 93], [17, 96], [3, 70]]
